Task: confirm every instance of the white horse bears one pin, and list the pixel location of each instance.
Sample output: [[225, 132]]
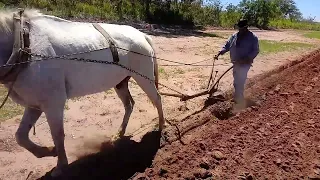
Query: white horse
[[44, 86]]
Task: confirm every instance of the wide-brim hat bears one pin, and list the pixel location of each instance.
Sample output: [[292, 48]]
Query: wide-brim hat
[[242, 23]]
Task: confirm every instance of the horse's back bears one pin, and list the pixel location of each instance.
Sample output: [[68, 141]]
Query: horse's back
[[68, 36], [126, 35], [87, 78]]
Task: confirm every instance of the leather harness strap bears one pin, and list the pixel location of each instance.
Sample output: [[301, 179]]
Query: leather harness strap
[[112, 43], [21, 41]]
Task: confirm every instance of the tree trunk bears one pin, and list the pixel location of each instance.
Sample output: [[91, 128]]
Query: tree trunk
[[119, 9], [147, 9]]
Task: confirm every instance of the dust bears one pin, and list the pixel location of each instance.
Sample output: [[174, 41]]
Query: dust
[[92, 145]]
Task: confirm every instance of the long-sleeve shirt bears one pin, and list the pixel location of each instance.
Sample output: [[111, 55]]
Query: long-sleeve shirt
[[244, 50]]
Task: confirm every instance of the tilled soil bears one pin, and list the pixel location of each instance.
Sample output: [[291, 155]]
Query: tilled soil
[[277, 139]]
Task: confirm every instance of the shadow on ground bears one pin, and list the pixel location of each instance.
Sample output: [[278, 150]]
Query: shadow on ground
[[169, 31], [117, 161], [175, 33]]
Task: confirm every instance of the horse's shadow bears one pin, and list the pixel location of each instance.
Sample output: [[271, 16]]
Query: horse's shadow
[[120, 160]]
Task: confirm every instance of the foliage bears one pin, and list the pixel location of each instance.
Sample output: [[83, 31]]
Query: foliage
[[289, 24], [260, 13], [230, 16], [287, 9]]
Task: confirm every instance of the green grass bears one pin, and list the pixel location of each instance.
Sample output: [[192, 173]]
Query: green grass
[[163, 73], [10, 109], [110, 91], [313, 34], [267, 46], [210, 34], [66, 107], [179, 71], [287, 24]]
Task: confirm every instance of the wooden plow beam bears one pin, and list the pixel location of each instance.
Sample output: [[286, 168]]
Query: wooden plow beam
[[209, 91]]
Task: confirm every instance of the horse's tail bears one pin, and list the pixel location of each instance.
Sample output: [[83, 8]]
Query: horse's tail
[[155, 62]]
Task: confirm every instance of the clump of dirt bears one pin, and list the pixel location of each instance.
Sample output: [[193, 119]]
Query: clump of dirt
[[278, 139], [222, 110], [214, 99]]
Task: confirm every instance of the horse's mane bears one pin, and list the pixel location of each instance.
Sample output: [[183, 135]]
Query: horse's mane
[[6, 18]]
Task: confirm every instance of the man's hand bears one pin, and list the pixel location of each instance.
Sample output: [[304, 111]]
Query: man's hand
[[217, 56]]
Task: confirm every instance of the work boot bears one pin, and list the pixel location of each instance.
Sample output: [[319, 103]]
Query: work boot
[[239, 105]]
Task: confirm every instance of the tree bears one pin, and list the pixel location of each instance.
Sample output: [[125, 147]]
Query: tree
[[258, 12], [288, 9], [230, 16]]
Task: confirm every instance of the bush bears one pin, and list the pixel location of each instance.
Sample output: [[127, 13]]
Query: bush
[[288, 24]]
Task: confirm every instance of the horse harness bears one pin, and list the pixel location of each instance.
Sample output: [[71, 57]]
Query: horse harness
[[21, 51], [21, 26], [9, 74], [111, 42]]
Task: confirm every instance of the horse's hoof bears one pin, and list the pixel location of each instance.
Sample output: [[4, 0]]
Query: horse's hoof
[[46, 152], [56, 172], [59, 171]]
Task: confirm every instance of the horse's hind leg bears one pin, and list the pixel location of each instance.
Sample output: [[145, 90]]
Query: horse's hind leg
[[123, 92], [29, 118], [150, 89]]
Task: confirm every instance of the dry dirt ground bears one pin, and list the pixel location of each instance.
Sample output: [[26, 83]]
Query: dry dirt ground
[[244, 143]]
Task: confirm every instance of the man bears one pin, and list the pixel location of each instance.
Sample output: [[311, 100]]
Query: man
[[244, 47]]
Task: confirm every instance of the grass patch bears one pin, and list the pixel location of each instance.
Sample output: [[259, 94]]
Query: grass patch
[[179, 71], [267, 46], [313, 35], [288, 24], [66, 107], [163, 73], [10, 109], [110, 91], [224, 35], [211, 34]]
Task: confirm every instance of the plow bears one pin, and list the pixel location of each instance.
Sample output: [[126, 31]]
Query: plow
[[212, 87]]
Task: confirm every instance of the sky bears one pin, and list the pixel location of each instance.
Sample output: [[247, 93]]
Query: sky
[[307, 7]]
